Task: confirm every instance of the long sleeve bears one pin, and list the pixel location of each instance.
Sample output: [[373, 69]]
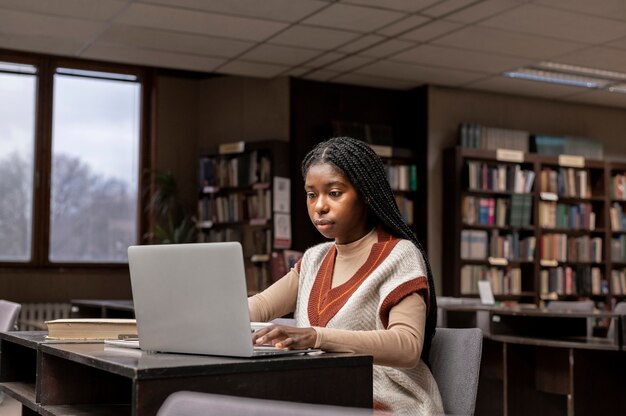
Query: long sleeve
[[400, 345], [275, 301]]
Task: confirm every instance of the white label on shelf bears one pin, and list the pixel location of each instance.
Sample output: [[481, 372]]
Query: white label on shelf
[[210, 189], [228, 148], [495, 318], [548, 263], [258, 221], [549, 196], [260, 258], [204, 224], [382, 151], [572, 161], [508, 155], [498, 261]]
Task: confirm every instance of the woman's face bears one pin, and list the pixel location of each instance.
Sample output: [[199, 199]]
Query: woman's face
[[335, 206]]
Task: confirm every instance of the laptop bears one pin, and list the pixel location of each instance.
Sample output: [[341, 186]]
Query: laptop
[[192, 298]]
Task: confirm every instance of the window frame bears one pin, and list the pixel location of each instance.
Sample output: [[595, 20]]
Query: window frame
[[46, 68]]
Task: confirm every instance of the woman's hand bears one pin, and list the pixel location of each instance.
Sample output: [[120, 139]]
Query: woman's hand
[[284, 336]]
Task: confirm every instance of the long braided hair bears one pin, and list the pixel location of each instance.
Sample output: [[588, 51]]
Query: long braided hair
[[366, 172]]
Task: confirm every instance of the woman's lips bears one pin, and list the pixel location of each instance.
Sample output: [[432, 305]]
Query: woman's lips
[[323, 224]]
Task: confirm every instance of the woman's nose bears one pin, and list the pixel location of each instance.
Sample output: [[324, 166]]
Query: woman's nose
[[321, 204]]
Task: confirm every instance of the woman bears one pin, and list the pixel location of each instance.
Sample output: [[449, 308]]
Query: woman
[[369, 290]]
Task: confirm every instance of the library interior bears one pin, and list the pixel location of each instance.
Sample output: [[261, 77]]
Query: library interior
[[500, 126]]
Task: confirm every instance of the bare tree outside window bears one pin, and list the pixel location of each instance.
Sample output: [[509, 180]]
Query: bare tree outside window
[[95, 146], [17, 138]]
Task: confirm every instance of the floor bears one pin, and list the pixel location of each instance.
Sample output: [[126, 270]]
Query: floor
[[10, 407]]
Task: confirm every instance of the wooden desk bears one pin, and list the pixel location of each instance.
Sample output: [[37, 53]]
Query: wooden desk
[[102, 308], [536, 361], [97, 379]]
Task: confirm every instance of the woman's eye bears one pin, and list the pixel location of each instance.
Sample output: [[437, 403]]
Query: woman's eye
[[310, 195], [334, 194]]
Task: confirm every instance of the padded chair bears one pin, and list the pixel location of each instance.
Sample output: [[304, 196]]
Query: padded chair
[[455, 356], [188, 403], [9, 311]]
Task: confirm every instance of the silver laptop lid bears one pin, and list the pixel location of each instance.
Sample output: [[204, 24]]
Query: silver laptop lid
[[191, 298]]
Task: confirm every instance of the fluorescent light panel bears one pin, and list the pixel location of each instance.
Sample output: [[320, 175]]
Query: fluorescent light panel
[[577, 76]]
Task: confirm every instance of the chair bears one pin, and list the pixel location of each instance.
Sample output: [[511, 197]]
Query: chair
[[455, 356], [578, 306], [9, 311], [620, 308], [188, 403]]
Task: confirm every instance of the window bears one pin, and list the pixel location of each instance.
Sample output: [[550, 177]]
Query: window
[[70, 161], [17, 143], [95, 146]]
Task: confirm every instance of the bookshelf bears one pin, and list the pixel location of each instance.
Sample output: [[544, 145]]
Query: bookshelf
[[237, 202], [564, 240]]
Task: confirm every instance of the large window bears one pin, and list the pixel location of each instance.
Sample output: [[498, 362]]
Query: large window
[[17, 142], [76, 198]]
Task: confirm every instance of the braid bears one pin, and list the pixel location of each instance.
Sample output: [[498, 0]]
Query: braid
[[366, 172]]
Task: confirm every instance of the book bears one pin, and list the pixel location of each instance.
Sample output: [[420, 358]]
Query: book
[[91, 329]]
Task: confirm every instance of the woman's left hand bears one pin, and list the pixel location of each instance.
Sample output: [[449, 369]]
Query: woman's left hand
[[284, 336]]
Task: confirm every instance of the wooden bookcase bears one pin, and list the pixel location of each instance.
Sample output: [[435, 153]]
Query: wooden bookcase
[[236, 201], [567, 220]]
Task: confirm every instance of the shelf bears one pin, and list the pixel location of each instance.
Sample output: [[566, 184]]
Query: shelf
[[87, 410], [485, 262], [22, 392], [493, 193], [572, 231], [496, 227]]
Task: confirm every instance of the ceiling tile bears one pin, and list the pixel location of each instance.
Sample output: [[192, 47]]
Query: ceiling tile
[[619, 43], [357, 18], [482, 10], [42, 44], [459, 58], [252, 69], [515, 86], [507, 43], [614, 9], [446, 7], [368, 81], [313, 37], [174, 41], [84, 9], [597, 57], [361, 43], [281, 10], [600, 97], [559, 24], [388, 48], [169, 18], [325, 59], [349, 63], [418, 73], [400, 5], [19, 23], [282, 55], [431, 30], [321, 75], [119, 53], [296, 72], [403, 25]]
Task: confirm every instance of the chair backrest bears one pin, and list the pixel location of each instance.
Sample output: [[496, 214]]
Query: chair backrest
[[577, 305], [620, 308], [455, 362], [9, 311], [188, 403]]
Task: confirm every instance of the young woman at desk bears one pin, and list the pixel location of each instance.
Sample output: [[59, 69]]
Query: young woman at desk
[[368, 291]]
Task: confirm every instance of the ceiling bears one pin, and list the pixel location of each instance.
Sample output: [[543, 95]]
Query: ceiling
[[397, 44]]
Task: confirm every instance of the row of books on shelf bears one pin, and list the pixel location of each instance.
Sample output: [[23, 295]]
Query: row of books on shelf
[[567, 182], [405, 205], [618, 282], [618, 249], [617, 217], [256, 243], [476, 136], [515, 211], [240, 170], [568, 280], [499, 178], [236, 207], [560, 215], [507, 281], [566, 145], [476, 245], [618, 186], [402, 177], [561, 247]]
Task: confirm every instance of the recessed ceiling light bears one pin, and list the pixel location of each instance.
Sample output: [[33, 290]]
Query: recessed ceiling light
[[574, 69], [557, 78], [621, 88]]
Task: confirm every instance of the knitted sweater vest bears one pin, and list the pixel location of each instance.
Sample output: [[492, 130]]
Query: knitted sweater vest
[[394, 269]]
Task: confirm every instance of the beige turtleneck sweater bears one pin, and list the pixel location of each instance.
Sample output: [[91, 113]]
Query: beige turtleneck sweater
[[400, 345]]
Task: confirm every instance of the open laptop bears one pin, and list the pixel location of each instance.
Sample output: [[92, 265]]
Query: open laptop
[[191, 298]]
